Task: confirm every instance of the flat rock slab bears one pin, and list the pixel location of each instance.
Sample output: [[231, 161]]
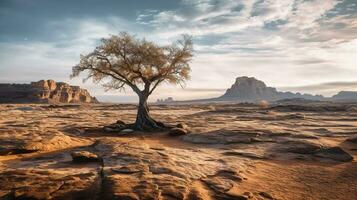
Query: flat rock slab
[[223, 137], [334, 153], [133, 170], [299, 146], [312, 149], [23, 142], [48, 184]]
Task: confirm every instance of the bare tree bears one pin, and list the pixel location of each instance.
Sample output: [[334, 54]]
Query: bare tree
[[123, 60]]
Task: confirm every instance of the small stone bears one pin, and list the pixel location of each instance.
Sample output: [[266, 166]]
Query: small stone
[[25, 108], [182, 125], [85, 156], [177, 132], [248, 194], [244, 154], [128, 130], [116, 127], [266, 195], [120, 122], [129, 169], [108, 129]]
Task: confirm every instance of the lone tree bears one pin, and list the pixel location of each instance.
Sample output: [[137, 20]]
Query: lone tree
[[123, 60]]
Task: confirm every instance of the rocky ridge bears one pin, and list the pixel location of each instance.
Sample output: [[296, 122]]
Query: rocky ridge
[[345, 96], [44, 91]]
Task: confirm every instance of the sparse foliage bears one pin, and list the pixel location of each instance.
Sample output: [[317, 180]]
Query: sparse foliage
[[123, 60]]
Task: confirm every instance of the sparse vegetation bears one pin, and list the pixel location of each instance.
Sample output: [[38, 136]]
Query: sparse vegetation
[[264, 104]]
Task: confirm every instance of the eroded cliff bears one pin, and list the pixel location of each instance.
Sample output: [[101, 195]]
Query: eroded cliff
[[44, 91]]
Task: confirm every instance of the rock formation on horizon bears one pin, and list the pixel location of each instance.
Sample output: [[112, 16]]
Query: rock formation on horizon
[[249, 89], [345, 96], [44, 91], [167, 100]]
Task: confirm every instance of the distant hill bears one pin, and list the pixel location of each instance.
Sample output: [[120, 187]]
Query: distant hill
[[345, 96], [44, 91]]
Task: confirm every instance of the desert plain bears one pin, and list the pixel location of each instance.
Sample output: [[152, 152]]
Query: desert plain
[[232, 151]]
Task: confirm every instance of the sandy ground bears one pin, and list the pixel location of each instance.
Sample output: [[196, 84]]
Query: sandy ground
[[231, 152]]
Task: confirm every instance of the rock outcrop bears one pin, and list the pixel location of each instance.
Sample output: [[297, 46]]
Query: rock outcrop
[[44, 91], [167, 100], [249, 89]]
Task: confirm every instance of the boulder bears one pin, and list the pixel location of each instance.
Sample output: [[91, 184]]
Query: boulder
[[85, 156], [118, 126], [177, 132], [110, 130]]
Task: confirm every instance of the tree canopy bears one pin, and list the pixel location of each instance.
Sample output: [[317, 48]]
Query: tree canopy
[[124, 60]]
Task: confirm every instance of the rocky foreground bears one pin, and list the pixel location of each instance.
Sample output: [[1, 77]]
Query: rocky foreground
[[222, 152]]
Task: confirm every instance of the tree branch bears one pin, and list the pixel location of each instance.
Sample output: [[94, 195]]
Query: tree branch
[[155, 85]]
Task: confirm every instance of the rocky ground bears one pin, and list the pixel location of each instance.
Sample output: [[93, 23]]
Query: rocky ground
[[230, 152]]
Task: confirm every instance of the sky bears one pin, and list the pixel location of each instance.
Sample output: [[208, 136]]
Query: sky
[[307, 46]]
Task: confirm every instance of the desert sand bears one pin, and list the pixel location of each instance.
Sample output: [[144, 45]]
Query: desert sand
[[232, 151]]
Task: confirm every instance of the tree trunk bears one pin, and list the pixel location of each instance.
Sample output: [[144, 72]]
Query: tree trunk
[[144, 122]]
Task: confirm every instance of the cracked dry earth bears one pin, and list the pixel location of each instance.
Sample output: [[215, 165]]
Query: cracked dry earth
[[232, 152]]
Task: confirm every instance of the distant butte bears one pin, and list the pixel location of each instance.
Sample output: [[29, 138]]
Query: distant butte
[[44, 91], [249, 89]]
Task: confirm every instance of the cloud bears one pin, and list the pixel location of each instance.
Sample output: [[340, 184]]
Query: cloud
[[311, 61], [307, 13], [205, 17]]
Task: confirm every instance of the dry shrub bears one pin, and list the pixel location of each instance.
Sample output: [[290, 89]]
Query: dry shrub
[[263, 104]]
